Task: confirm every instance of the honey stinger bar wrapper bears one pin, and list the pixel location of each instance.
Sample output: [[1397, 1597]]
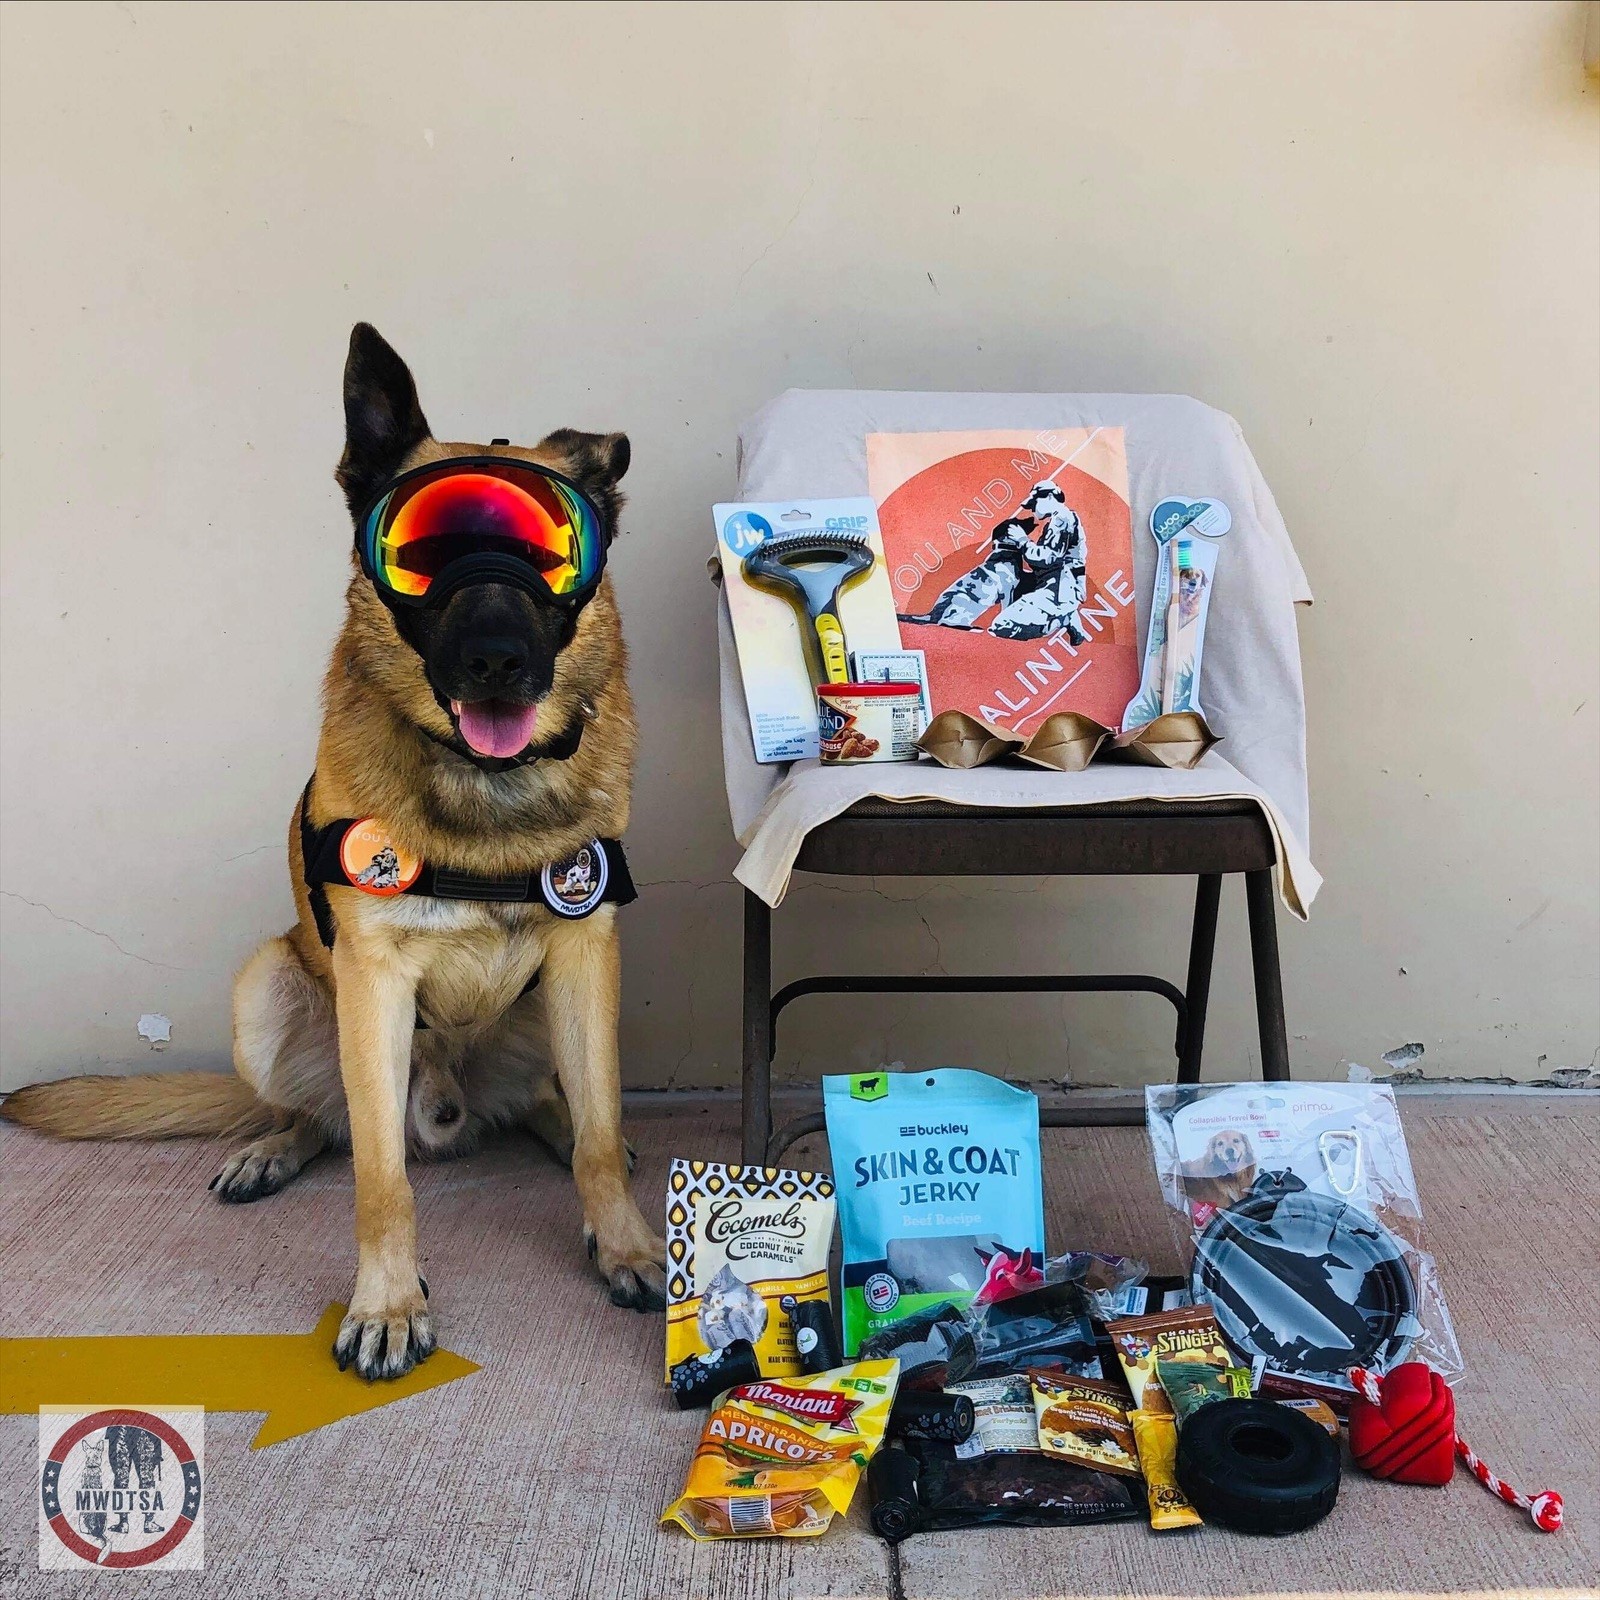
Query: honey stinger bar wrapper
[[1156, 1435], [1187, 1333], [781, 1458]]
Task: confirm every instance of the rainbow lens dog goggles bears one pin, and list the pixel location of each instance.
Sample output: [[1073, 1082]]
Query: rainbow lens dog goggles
[[481, 519]]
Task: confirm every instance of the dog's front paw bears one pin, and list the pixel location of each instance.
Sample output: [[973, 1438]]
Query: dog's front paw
[[636, 1272], [385, 1342]]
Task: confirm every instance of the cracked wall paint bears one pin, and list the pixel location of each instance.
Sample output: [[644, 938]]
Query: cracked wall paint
[[155, 1030]]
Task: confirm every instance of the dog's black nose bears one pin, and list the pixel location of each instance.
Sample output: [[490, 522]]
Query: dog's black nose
[[494, 662], [446, 1113]]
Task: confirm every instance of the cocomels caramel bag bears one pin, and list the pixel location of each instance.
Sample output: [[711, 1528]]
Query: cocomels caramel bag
[[782, 1458], [738, 1240]]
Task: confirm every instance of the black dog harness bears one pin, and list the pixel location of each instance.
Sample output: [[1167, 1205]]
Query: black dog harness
[[356, 853]]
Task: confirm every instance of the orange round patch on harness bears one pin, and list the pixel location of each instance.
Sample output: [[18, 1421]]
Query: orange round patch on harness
[[373, 862]]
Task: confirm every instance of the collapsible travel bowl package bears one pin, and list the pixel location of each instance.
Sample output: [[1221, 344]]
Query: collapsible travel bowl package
[[1297, 1210], [939, 1188]]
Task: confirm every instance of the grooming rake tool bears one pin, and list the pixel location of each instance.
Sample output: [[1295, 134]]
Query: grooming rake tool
[[811, 571]]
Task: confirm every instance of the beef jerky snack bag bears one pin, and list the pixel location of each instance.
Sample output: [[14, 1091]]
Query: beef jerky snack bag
[[1008, 1488], [782, 1458], [939, 1184], [738, 1240], [1189, 1333], [1083, 1419]]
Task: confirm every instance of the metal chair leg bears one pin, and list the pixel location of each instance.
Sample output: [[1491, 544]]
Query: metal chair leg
[[1261, 901], [756, 1084], [1202, 946]]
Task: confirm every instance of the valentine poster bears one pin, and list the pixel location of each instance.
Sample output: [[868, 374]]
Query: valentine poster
[[1010, 557]]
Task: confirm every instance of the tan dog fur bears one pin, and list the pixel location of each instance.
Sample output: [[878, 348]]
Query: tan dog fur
[[325, 1043]]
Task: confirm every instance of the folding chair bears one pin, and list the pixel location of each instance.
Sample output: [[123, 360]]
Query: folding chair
[[1243, 815], [1202, 839]]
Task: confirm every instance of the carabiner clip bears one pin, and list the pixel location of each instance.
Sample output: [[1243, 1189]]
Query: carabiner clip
[[1346, 1140]]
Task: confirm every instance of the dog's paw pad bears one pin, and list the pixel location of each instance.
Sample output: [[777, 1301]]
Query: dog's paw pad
[[250, 1177]]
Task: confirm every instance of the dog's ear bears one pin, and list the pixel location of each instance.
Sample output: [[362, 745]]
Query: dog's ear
[[383, 421], [595, 462]]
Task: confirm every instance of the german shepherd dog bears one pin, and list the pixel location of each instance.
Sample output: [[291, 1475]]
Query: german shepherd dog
[[327, 1043]]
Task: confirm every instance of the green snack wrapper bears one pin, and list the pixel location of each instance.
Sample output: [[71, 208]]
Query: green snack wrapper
[[1192, 1384]]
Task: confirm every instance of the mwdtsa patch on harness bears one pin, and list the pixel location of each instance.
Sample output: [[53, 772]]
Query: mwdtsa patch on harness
[[121, 1487]]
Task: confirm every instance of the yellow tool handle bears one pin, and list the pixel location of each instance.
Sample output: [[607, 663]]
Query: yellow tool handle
[[830, 635]]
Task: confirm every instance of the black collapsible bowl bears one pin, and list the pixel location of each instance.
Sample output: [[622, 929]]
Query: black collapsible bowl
[[1307, 1281]]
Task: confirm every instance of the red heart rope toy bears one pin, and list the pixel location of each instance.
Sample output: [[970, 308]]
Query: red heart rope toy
[[1403, 1426]]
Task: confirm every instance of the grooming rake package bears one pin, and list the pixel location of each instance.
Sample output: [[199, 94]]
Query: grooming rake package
[[803, 577]]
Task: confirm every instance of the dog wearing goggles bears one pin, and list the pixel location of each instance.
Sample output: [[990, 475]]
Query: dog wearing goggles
[[478, 713]]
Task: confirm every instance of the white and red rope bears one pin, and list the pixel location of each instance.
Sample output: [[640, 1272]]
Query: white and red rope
[[1545, 1508]]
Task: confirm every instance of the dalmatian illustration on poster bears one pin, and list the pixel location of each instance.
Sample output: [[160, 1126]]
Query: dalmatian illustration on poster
[[1010, 556]]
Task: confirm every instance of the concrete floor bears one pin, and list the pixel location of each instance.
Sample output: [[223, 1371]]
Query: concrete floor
[[544, 1474]]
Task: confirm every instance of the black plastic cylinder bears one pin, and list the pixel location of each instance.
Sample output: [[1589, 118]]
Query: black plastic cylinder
[[698, 1380], [932, 1414], [892, 1487]]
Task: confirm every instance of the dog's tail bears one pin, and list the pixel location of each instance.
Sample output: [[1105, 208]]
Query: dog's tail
[[156, 1105]]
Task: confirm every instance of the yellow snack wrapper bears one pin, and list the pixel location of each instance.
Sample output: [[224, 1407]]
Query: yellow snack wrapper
[[1156, 1435], [1084, 1420], [779, 1459]]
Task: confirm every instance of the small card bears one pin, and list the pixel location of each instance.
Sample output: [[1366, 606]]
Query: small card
[[896, 666]]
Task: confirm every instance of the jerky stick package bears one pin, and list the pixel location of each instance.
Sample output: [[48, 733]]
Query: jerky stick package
[[740, 1239], [1189, 1333], [1319, 1411], [779, 1459], [1083, 1420]]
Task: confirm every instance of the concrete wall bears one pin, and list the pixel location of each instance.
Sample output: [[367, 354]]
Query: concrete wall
[[1369, 232]]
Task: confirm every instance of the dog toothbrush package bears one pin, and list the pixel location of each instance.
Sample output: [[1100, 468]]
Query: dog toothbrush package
[[740, 1240], [806, 586], [939, 1189], [1297, 1210], [1185, 531]]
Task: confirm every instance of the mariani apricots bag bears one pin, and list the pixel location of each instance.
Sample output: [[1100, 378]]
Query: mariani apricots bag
[[781, 1458]]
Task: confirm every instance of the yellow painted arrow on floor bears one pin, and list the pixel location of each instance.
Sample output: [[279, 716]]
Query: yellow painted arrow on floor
[[291, 1376]]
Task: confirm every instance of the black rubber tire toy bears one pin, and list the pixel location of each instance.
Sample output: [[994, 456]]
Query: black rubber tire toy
[[1257, 1467]]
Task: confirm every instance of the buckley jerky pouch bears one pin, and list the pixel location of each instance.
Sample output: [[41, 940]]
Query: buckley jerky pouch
[[939, 1189]]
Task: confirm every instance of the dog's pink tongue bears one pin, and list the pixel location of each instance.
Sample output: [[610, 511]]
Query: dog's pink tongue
[[496, 727]]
